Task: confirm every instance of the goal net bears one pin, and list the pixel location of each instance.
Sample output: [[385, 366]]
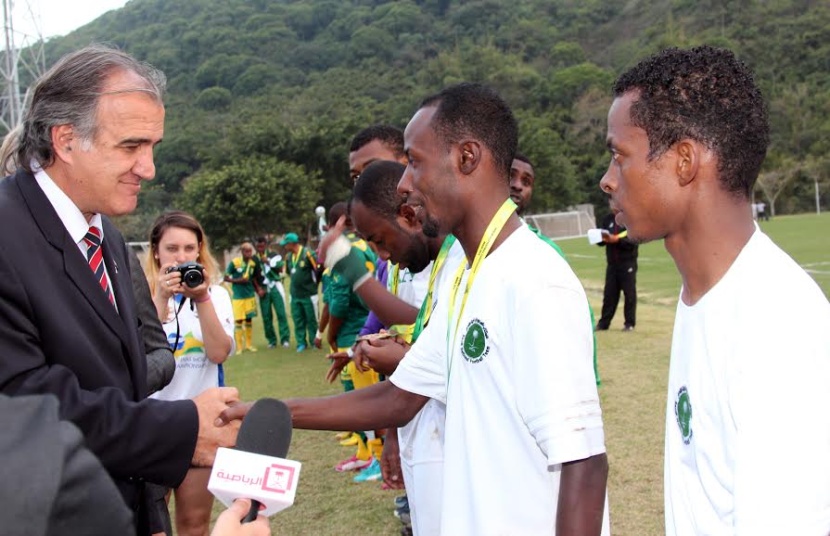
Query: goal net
[[558, 225]]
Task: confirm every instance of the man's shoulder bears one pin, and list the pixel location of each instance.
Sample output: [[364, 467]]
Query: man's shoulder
[[531, 261]]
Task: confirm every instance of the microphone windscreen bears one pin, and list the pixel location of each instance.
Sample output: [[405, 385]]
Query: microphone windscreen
[[266, 429]]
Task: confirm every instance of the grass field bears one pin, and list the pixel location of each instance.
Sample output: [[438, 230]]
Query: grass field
[[634, 368]]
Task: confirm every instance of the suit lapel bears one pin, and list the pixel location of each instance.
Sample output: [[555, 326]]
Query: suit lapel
[[74, 263]]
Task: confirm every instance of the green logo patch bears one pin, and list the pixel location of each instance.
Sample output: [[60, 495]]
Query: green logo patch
[[683, 412], [474, 346]]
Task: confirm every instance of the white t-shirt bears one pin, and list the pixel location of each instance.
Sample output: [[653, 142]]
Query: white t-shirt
[[194, 371], [519, 388], [747, 420]]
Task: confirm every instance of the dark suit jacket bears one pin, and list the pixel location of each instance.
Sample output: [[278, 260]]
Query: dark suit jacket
[[51, 484], [160, 362], [59, 334]]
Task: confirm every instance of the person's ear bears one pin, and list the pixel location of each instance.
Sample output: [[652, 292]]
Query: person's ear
[[689, 154], [63, 137], [469, 156], [409, 216]]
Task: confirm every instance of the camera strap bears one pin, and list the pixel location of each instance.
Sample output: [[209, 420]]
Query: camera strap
[[180, 299]]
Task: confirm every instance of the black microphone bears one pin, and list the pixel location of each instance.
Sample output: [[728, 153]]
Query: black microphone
[[265, 430]]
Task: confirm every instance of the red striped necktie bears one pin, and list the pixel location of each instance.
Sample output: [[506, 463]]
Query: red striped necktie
[[95, 258]]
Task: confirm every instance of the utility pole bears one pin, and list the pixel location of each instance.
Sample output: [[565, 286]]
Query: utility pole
[[818, 198], [23, 55]]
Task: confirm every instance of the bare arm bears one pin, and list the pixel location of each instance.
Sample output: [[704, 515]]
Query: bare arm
[[389, 308], [582, 497], [382, 405], [217, 343], [335, 323]]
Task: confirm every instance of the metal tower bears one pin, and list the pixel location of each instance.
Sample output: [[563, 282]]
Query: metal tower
[[22, 60]]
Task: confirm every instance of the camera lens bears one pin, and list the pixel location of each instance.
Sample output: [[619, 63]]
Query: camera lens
[[193, 278]]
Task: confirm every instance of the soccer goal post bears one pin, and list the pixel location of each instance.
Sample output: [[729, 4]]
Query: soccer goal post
[[558, 225]]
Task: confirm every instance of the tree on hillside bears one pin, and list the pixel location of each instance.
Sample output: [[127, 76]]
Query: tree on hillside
[[250, 197], [773, 182]]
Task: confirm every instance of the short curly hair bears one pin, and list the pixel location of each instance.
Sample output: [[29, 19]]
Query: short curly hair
[[476, 110], [705, 94]]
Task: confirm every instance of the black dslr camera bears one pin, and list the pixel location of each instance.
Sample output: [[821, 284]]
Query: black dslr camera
[[192, 273]]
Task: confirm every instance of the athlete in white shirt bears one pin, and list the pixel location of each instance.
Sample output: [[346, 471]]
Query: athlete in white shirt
[[531, 378], [747, 428]]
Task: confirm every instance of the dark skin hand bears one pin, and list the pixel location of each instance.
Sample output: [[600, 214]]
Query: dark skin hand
[[582, 496], [339, 360], [382, 355]]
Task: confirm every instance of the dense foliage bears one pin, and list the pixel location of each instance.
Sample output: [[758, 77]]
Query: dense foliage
[[289, 82]]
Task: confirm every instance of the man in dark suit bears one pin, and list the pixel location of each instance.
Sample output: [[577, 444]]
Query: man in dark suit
[[68, 324]]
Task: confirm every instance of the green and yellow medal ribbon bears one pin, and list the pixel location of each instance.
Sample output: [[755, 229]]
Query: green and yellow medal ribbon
[[425, 312], [404, 330], [490, 234]]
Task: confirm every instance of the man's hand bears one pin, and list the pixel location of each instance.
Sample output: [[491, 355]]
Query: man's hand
[[339, 360], [260, 291], [209, 405], [229, 522], [609, 238], [390, 461], [383, 355]]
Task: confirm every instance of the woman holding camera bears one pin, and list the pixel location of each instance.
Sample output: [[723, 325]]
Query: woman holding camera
[[197, 317]]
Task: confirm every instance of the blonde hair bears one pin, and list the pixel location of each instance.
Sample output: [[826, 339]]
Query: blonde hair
[[181, 220]]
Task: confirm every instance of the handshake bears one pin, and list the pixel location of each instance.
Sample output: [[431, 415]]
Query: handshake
[[254, 478]]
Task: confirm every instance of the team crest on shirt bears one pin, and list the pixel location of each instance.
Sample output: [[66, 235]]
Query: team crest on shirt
[[683, 412], [474, 346]]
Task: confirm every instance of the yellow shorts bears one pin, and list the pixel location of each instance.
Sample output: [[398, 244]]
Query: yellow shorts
[[361, 379], [244, 309]]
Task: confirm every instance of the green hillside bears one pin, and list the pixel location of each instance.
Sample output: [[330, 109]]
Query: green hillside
[[294, 80]]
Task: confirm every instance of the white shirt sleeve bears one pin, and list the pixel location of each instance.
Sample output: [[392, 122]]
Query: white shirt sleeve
[[553, 371]]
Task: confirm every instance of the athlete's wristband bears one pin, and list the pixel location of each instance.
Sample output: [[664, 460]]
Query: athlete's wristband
[[319, 335], [337, 251], [350, 353]]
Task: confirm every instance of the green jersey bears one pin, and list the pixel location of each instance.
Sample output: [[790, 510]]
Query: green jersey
[[343, 301], [269, 268], [239, 268], [302, 267]]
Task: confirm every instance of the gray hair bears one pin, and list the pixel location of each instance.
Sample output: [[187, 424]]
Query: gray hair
[[68, 94], [8, 151]]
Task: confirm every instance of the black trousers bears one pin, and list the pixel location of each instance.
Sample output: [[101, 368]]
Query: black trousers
[[619, 277]]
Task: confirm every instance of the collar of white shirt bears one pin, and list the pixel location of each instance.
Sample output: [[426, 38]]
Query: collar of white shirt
[[71, 216]]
